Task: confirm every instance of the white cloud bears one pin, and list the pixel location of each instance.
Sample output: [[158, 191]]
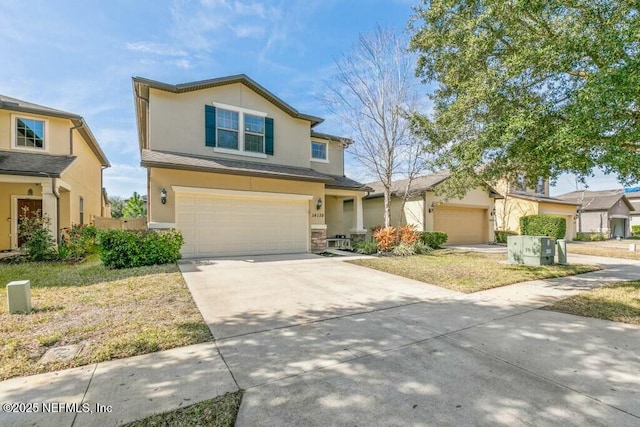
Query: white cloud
[[249, 30], [155, 48], [122, 180]]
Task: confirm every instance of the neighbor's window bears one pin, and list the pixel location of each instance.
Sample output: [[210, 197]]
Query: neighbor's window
[[81, 211], [227, 126], [521, 182], [29, 133], [253, 133], [540, 186], [319, 150]]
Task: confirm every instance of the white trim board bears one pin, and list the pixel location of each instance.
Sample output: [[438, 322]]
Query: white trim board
[[240, 193]]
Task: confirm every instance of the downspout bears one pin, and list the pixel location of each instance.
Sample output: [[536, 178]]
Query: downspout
[[71, 136]]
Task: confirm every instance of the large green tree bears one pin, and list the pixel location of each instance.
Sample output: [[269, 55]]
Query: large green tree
[[134, 207], [537, 86]]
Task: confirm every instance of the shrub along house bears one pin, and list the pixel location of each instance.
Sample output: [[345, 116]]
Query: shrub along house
[[51, 163], [239, 171], [466, 220]]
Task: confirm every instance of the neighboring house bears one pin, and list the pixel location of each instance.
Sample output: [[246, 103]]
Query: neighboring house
[[239, 171], [467, 220], [607, 212], [633, 195], [49, 162], [521, 201]]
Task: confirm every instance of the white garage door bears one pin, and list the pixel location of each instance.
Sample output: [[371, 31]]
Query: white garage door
[[225, 223], [462, 225]]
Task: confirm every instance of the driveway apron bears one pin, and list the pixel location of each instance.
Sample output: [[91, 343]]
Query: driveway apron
[[322, 342]]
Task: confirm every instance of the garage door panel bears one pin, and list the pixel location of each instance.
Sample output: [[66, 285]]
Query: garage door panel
[[215, 225], [462, 225]]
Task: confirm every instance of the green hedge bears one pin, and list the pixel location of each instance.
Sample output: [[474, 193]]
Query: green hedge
[[127, 248], [502, 235], [635, 230], [543, 225], [433, 239]]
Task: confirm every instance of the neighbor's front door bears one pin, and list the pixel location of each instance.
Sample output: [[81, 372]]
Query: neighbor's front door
[[27, 208]]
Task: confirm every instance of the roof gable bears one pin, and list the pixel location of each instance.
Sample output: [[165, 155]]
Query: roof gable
[[140, 82], [596, 200]]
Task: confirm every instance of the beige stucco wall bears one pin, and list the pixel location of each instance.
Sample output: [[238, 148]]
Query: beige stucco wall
[[56, 133], [166, 178], [477, 198], [84, 179], [335, 156], [177, 124]]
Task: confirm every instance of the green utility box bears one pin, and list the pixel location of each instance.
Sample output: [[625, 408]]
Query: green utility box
[[531, 250]]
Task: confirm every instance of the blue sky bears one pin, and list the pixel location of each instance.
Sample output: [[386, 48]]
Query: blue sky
[[79, 56]]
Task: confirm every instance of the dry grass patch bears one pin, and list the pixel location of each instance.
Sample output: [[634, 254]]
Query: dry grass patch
[[113, 313], [586, 249], [218, 412], [467, 271], [619, 302]]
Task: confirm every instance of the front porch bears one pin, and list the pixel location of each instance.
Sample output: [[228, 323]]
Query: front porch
[[344, 218], [22, 194]]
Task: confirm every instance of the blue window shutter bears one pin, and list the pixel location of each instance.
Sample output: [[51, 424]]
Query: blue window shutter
[[209, 125], [268, 136]]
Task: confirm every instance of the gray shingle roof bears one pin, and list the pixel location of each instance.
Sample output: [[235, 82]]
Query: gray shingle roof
[[419, 185], [596, 200], [222, 81], [542, 199], [33, 164], [162, 159]]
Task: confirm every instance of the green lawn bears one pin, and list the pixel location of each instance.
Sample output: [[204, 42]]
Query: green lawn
[[467, 271], [114, 313], [218, 412], [619, 302], [587, 249]]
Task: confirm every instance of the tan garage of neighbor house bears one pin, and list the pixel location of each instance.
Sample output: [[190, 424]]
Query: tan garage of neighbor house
[[466, 220], [463, 225]]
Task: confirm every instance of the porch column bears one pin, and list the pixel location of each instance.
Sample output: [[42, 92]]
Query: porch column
[[358, 233], [50, 206]]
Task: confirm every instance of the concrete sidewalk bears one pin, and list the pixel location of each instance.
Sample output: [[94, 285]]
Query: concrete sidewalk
[[489, 358], [118, 391]]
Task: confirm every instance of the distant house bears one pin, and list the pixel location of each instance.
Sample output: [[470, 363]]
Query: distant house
[[633, 195], [520, 200], [607, 212], [51, 164], [467, 220]]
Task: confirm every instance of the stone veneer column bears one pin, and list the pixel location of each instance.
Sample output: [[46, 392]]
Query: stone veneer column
[[357, 236], [318, 238]]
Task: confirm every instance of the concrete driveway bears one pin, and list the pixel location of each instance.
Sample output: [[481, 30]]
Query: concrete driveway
[[315, 341]]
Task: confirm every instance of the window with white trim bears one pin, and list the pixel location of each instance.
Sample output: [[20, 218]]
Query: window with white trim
[[227, 128], [253, 133], [318, 150], [29, 133]]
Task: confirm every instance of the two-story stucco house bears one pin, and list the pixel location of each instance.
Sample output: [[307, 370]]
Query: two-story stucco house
[[51, 163], [239, 171], [520, 200]]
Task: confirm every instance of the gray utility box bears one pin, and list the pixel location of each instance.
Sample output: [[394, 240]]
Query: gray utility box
[[531, 250]]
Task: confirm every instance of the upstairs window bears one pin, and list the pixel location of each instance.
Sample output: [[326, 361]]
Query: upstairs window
[[319, 151], [253, 133], [540, 185], [521, 182], [29, 133], [227, 125], [235, 130]]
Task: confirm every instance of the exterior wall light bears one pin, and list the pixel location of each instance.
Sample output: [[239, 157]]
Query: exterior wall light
[[319, 204], [432, 207], [163, 196], [492, 212]]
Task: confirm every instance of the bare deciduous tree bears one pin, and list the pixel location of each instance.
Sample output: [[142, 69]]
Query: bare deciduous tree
[[373, 93]]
